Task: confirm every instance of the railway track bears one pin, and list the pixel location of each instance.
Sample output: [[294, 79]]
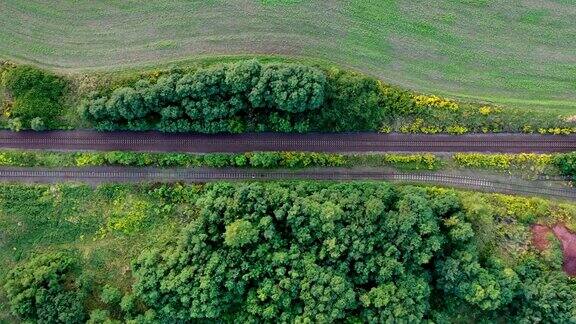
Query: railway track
[[321, 142], [119, 174]]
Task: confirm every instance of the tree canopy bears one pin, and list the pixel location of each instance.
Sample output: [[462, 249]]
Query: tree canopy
[[321, 253], [244, 96], [312, 252], [47, 290]]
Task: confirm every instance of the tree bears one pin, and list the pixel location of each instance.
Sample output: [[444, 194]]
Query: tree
[[239, 233], [289, 87], [223, 98], [46, 289], [354, 103], [548, 298]]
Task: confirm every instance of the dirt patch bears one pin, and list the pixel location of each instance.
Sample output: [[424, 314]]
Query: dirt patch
[[566, 238], [540, 237]]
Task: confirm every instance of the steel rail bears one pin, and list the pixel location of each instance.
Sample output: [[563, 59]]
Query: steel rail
[[121, 174], [322, 142]]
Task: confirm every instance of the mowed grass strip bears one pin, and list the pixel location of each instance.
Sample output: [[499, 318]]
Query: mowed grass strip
[[508, 52]]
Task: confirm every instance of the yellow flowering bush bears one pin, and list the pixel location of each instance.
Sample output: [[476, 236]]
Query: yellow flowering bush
[[488, 110], [525, 209], [127, 215], [306, 159], [537, 162], [456, 130], [557, 131], [386, 129], [89, 159], [435, 102], [5, 160], [527, 129], [418, 127], [485, 110], [429, 161]]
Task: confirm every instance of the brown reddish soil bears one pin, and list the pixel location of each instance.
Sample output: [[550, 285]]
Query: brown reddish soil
[[540, 237], [567, 238]]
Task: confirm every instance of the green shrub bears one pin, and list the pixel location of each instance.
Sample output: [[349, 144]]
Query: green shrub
[[37, 124], [408, 162], [111, 295], [15, 124], [46, 289], [23, 79], [100, 316], [265, 159], [34, 105], [413, 161], [567, 164], [37, 94], [354, 102], [535, 162]]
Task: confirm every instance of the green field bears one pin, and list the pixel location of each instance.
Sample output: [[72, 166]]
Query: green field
[[517, 53]]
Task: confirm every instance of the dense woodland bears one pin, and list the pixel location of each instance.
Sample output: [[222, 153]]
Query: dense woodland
[[304, 251]]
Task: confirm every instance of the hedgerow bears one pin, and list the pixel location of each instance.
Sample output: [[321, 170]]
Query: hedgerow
[[249, 96], [536, 162], [218, 160], [245, 96], [408, 162]]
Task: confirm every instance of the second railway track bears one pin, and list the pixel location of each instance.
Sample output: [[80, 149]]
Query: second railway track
[[98, 175]]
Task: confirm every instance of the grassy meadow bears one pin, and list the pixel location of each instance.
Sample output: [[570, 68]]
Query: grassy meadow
[[515, 53]]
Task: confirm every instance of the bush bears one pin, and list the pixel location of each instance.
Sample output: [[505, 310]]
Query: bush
[[37, 95], [567, 164], [15, 124], [407, 162], [46, 289], [504, 161], [354, 103], [265, 159], [23, 79], [37, 124]]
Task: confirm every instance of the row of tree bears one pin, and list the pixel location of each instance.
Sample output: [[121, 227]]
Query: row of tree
[[311, 252], [244, 96]]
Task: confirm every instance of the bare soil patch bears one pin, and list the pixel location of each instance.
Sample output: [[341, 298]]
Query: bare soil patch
[[567, 239], [540, 237]]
